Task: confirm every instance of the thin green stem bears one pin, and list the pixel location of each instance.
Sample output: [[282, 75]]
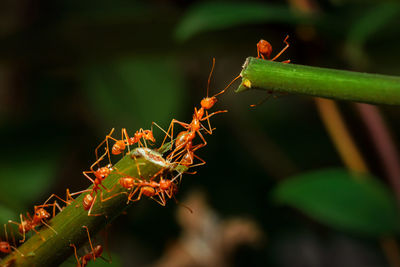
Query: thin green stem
[[276, 77], [68, 224]]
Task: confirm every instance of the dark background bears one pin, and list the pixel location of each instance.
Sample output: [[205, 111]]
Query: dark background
[[72, 70]]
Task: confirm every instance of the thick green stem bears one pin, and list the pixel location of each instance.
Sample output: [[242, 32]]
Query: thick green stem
[[68, 224], [329, 83]]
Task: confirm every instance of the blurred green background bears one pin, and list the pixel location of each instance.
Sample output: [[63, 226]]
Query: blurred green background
[[72, 70]]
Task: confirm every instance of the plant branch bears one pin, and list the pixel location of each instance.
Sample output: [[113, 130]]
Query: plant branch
[[276, 77], [68, 223]]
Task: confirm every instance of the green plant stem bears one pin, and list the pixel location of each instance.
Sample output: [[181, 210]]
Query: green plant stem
[[276, 77], [68, 223]]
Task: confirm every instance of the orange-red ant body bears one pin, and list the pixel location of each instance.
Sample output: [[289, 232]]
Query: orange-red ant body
[[194, 127], [100, 174], [96, 252], [30, 223], [126, 141], [5, 246], [264, 50]]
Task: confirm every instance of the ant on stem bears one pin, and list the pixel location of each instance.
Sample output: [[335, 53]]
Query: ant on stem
[[96, 252], [5, 246], [100, 174], [264, 50], [30, 223], [194, 127]]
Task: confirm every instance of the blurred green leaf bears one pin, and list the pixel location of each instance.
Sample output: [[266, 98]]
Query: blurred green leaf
[[25, 176], [216, 16], [132, 93], [372, 21], [342, 200], [6, 214]]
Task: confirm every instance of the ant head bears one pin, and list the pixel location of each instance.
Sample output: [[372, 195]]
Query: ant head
[[5, 247], [98, 250], [42, 214], [208, 102], [265, 48], [103, 172], [149, 135]]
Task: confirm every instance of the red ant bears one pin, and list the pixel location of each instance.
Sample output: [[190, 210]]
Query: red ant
[[68, 200], [264, 49], [100, 174], [184, 137], [97, 251], [5, 246], [151, 188], [126, 141], [30, 223]]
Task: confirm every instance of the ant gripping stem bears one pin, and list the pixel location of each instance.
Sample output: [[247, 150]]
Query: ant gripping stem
[[264, 50], [199, 116], [5, 246], [95, 252]]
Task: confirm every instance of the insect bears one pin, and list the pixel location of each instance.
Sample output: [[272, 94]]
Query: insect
[[195, 126], [100, 174], [264, 50], [126, 141], [158, 191], [96, 252], [5, 246], [30, 223]]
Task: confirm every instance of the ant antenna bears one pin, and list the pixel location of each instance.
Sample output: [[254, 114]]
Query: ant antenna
[[209, 77], [237, 77]]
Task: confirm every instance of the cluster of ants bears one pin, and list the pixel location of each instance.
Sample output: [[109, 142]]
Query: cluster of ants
[[160, 187]]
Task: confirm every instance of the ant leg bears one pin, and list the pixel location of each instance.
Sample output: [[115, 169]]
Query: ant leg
[[159, 127], [286, 61], [13, 238], [33, 229], [76, 255], [54, 195], [283, 50], [133, 193], [202, 138], [51, 228], [171, 128], [198, 164], [124, 132], [97, 148], [90, 242], [91, 206], [262, 101], [110, 197], [161, 200]]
